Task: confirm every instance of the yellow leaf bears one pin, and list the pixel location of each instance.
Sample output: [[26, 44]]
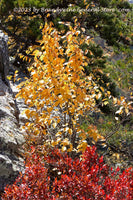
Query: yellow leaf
[[63, 148], [82, 147], [70, 148], [120, 111], [54, 125], [48, 14], [58, 120], [70, 131], [126, 110], [82, 135], [106, 102], [9, 77], [53, 143], [85, 64], [114, 100], [58, 140], [59, 133], [116, 155], [105, 99], [108, 92], [65, 142], [49, 109], [87, 6], [69, 37], [98, 96], [44, 132], [27, 112], [102, 89], [75, 20]]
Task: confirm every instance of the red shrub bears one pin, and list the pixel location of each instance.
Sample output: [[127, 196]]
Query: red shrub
[[33, 184], [61, 177]]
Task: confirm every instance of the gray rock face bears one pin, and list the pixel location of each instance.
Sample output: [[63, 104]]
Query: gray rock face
[[11, 139], [4, 58]]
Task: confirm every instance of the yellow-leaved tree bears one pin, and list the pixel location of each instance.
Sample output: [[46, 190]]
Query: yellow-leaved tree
[[58, 83]]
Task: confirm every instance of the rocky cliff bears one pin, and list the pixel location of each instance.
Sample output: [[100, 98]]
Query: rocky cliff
[[11, 139]]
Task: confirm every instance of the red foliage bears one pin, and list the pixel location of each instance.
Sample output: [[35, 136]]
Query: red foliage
[[33, 184], [61, 177]]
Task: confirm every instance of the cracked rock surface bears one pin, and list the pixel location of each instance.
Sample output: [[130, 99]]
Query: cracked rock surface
[[11, 138]]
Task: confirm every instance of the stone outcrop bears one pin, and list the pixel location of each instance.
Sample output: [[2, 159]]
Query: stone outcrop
[[11, 139], [4, 57]]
